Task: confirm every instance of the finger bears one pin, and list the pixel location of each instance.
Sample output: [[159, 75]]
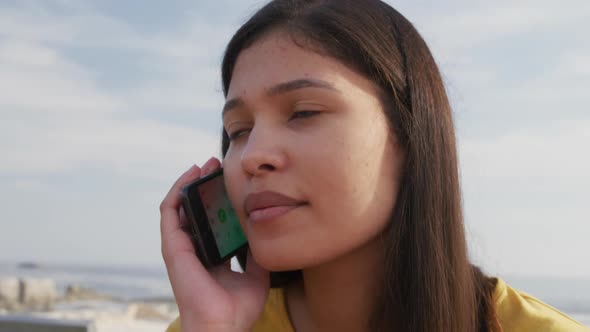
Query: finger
[[173, 221], [210, 166], [171, 203], [257, 283], [182, 218], [173, 238], [220, 270]]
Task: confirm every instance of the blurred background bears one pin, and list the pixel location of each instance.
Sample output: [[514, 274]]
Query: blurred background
[[103, 104]]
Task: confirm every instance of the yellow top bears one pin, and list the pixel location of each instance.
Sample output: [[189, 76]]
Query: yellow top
[[516, 311]]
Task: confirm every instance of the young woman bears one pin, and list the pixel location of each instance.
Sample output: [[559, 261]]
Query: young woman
[[337, 115]]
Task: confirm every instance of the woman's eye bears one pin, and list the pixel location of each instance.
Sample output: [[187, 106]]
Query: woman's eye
[[303, 114], [236, 134], [296, 115]]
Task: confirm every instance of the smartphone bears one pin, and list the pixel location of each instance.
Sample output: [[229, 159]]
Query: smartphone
[[214, 226]]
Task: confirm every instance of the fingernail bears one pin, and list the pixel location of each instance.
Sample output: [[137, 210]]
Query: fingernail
[[206, 170], [207, 166], [192, 168]]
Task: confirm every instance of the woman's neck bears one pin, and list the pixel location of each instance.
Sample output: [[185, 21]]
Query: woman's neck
[[339, 295]]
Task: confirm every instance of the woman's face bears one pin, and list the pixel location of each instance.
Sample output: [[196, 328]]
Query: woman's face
[[306, 126]]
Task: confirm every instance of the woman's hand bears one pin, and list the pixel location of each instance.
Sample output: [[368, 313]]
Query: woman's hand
[[217, 299]]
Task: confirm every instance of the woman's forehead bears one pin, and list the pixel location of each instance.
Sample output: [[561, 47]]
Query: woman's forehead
[[278, 56], [276, 60]]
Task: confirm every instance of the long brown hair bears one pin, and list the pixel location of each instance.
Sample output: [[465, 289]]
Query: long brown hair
[[429, 283]]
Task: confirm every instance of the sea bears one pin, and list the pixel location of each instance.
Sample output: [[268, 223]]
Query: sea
[[127, 283], [147, 283]]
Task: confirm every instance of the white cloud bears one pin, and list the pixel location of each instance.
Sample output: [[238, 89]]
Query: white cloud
[[556, 153], [56, 118], [480, 48], [576, 64], [181, 63], [476, 24], [83, 26], [39, 78], [138, 148], [524, 195], [197, 89]]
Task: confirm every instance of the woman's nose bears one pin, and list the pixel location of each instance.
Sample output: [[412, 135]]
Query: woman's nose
[[263, 153]]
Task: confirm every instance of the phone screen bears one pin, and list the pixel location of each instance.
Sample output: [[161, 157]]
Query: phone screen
[[223, 220]]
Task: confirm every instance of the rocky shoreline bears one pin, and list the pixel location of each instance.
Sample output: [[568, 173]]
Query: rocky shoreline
[[41, 298]]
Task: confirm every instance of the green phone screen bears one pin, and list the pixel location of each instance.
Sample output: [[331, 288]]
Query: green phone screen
[[222, 218]]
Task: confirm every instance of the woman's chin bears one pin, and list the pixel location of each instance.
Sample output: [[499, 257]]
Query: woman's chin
[[276, 261]]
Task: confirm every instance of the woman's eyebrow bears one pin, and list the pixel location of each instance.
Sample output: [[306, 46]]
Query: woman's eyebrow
[[282, 88], [300, 84], [231, 104]]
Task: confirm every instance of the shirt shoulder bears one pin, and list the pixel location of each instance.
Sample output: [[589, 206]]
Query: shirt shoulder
[[519, 311], [174, 326], [274, 317]]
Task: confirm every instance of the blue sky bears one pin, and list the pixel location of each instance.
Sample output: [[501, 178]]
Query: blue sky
[[104, 103]]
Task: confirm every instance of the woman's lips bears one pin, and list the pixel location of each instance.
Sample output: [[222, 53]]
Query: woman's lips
[[270, 213], [267, 205]]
